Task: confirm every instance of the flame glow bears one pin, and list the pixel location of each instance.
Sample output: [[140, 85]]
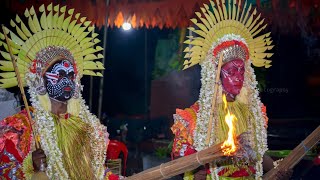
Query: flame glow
[[229, 147]]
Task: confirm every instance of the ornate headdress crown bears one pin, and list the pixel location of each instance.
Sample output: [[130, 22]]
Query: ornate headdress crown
[[46, 57], [230, 29], [232, 49], [58, 32]]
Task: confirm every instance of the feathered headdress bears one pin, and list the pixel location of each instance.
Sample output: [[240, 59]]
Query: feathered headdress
[[229, 28], [35, 44]]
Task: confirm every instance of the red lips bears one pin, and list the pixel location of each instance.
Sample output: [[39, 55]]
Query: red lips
[[67, 89]]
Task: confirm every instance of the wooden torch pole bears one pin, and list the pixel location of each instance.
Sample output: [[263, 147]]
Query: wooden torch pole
[[296, 154], [180, 165], [214, 98]]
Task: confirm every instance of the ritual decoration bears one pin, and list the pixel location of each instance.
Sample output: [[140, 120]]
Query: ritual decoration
[[283, 15], [38, 42]]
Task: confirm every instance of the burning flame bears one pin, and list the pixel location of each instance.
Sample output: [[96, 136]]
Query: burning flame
[[229, 147]]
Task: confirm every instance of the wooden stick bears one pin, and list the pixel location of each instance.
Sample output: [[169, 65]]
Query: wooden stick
[[16, 69], [181, 165], [213, 103], [296, 154]]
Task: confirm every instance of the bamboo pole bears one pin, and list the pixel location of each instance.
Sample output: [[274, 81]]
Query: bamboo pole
[[91, 78], [214, 98], [105, 37], [181, 165], [296, 154], [16, 70]]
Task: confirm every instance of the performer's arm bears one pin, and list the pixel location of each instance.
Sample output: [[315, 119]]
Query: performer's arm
[[38, 160], [267, 163], [33, 163]]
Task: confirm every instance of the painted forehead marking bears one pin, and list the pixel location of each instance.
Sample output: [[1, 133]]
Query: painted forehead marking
[[64, 65], [238, 65]]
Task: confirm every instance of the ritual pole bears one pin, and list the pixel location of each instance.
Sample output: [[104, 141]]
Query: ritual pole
[[181, 165], [296, 154], [214, 98]]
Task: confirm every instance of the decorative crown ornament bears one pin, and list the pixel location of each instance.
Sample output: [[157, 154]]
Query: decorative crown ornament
[[58, 31], [50, 55], [228, 26]]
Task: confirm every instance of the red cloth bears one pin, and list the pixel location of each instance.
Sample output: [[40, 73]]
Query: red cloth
[[10, 159], [172, 14], [114, 149], [113, 177], [240, 173], [15, 138], [316, 160]]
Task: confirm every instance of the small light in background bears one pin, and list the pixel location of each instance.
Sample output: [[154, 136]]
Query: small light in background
[[126, 26], [144, 127]]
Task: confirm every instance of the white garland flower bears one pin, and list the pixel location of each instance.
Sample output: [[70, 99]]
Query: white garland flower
[[46, 129], [258, 132]]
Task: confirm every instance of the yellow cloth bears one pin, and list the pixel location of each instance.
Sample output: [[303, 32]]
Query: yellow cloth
[[74, 143], [73, 136]]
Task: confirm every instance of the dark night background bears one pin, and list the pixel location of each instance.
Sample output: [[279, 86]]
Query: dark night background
[[292, 83], [292, 89], [291, 92]]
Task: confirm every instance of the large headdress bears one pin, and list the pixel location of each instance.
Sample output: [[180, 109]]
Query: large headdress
[[58, 35], [59, 32], [232, 29]]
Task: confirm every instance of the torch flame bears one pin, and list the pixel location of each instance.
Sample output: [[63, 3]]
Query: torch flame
[[229, 147]]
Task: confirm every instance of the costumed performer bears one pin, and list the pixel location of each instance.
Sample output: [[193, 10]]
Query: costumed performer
[[231, 29], [53, 52]]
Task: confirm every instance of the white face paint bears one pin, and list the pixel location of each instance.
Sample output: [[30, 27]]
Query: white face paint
[[60, 80]]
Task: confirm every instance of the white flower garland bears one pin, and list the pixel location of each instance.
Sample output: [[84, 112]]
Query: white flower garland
[[205, 99], [46, 129], [259, 132], [260, 129], [100, 135]]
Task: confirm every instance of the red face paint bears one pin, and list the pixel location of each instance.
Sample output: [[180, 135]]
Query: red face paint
[[232, 77]]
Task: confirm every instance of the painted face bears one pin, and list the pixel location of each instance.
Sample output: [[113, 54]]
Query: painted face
[[59, 80], [232, 77]]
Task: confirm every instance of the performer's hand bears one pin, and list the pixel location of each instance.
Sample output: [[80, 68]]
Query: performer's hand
[[39, 160], [200, 173], [284, 174]]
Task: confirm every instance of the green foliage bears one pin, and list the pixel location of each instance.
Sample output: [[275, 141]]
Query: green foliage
[[167, 57], [261, 78], [163, 152]]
